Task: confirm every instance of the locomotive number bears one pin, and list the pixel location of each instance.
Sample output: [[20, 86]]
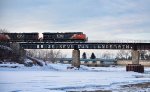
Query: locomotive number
[[60, 36], [20, 36]]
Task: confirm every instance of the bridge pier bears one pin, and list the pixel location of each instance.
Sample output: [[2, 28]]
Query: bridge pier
[[76, 58], [19, 52], [135, 57], [135, 66]]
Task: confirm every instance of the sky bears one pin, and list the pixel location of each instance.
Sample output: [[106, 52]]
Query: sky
[[98, 19]]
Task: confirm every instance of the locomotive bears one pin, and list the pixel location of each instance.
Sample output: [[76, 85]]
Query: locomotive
[[47, 37], [22, 37], [64, 37]]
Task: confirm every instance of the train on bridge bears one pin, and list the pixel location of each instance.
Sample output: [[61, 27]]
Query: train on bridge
[[47, 37]]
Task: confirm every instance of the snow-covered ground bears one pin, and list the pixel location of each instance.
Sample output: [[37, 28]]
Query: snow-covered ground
[[57, 78]]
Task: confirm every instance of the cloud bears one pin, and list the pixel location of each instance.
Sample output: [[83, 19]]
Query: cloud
[[99, 19], [112, 27]]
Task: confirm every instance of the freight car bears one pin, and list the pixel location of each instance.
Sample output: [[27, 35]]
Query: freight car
[[22, 37], [64, 37]]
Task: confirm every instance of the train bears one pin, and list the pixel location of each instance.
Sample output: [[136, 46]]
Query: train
[[47, 37], [64, 37]]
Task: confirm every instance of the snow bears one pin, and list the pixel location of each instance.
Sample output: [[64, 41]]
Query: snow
[[5, 48], [28, 60], [57, 78], [38, 61]]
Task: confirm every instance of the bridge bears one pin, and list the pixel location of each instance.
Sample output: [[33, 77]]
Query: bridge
[[84, 45], [76, 46]]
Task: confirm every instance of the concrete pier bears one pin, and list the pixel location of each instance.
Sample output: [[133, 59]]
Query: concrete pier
[[19, 52], [135, 66], [135, 57], [76, 58]]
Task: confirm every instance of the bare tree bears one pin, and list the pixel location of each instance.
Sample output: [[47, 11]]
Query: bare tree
[[3, 30], [122, 54], [143, 54], [52, 55], [119, 55], [47, 55], [106, 55], [148, 53], [127, 54]]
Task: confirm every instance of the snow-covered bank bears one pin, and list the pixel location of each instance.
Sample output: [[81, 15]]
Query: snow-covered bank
[[57, 78], [48, 67]]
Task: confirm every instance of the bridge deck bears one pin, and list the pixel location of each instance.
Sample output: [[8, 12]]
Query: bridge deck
[[141, 45], [85, 45]]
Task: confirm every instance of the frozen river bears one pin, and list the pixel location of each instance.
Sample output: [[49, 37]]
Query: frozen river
[[59, 79]]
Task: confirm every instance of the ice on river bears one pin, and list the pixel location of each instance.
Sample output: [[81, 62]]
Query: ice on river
[[57, 78]]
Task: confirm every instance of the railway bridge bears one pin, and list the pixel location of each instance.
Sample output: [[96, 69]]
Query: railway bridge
[[76, 46]]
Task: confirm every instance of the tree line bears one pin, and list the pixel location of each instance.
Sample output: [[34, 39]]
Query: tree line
[[120, 55], [49, 56]]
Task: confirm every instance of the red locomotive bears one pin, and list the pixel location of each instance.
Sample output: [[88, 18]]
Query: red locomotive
[[79, 36], [64, 37]]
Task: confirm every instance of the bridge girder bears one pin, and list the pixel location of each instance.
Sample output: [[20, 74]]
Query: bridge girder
[[60, 45]]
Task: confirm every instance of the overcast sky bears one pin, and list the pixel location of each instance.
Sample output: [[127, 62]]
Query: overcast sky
[[99, 19]]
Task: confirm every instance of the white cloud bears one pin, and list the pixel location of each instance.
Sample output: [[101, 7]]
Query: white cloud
[[113, 19], [113, 27]]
